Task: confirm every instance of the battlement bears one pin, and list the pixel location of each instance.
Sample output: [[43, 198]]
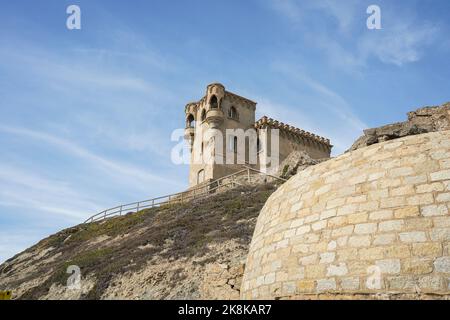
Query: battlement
[[271, 123]]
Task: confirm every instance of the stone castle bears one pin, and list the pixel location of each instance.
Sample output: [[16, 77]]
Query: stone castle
[[224, 111]]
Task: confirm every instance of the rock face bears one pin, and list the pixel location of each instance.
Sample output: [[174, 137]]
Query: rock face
[[372, 223], [192, 251], [295, 162], [423, 120]]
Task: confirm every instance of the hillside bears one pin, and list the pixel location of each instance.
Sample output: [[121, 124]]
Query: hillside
[[187, 251]]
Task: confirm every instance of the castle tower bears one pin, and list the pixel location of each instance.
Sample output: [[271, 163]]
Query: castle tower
[[221, 132], [217, 111]]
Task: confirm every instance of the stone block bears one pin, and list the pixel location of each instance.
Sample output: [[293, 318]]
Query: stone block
[[443, 197], [434, 210], [406, 212], [384, 239], [389, 266], [415, 236], [350, 283], [381, 215], [359, 241], [442, 265], [327, 257], [390, 225], [343, 231], [397, 251], [306, 286], [417, 266], [315, 271], [365, 228], [440, 234], [326, 285], [372, 253], [440, 175], [337, 270]]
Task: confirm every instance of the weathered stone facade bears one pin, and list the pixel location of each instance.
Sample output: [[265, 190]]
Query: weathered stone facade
[[222, 110], [372, 223]]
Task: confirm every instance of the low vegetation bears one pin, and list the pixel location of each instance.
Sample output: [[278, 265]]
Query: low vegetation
[[111, 247]]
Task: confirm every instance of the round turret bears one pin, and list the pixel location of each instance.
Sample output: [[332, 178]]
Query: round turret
[[215, 93], [189, 131]]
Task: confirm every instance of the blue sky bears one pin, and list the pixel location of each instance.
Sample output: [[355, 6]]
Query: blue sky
[[86, 115]]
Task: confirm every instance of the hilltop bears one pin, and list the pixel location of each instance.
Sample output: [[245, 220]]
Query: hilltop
[[186, 251]]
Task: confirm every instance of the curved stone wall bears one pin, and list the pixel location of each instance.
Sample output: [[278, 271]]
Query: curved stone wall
[[371, 223]]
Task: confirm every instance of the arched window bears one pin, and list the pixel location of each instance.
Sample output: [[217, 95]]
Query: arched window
[[201, 176], [213, 102], [190, 121], [232, 113], [203, 117]]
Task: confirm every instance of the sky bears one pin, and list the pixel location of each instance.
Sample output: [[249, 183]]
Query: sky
[[86, 116]]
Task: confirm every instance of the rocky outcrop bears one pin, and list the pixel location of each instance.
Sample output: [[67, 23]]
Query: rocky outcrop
[[294, 162], [423, 120]]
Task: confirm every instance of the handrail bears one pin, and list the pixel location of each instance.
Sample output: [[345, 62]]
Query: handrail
[[179, 197]]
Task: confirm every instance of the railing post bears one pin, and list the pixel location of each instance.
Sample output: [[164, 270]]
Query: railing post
[[137, 208], [120, 211], [153, 203], [104, 214]]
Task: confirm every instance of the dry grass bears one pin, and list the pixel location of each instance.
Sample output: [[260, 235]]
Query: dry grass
[[173, 232]]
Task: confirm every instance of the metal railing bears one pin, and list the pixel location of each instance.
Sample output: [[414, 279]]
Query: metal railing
[[191, 194]]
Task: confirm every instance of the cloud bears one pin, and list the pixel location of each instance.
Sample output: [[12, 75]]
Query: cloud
[[329, 98], [402, 44], [61, 73], [403, 39], [136, 176], [288, 8], [316, 108], [26, 189], [342, 13]]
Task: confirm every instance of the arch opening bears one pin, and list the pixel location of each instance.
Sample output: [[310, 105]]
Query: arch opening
[[190, 121], [213, 102]]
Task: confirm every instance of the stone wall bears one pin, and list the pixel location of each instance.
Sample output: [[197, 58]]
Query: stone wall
[[371, 223]]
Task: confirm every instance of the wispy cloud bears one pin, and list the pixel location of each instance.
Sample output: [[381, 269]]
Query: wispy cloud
[[318, 109], [403, 43], [117, 169], [351, 45], [329, 98], [59, 72], [26, 189]]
